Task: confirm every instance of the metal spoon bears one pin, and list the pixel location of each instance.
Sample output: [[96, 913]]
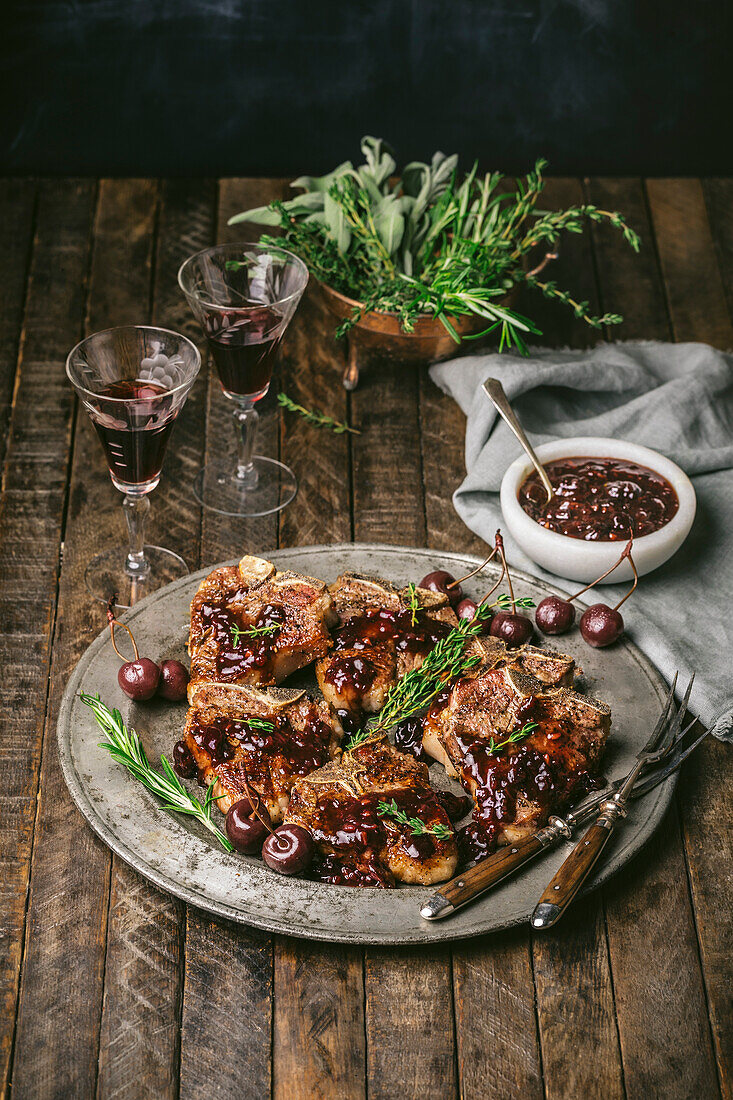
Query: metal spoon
[[494, 390]]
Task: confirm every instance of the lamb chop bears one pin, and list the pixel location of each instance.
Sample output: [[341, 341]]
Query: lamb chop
[[515, 784], [382, 633], [245, 738], [356, 844], [251, 624]]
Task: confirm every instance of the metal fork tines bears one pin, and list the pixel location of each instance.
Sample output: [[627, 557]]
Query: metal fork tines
[[576, 868]]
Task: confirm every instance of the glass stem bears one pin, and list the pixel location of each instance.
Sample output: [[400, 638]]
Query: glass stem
[[136, 512], [246, 419]]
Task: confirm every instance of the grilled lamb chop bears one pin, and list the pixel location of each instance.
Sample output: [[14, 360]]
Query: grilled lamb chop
[[356, 845], [295, 612], [237, 754], [515, 788], [378, 640]]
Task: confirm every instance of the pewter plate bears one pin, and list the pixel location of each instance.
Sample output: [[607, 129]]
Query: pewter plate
[[178, 856]]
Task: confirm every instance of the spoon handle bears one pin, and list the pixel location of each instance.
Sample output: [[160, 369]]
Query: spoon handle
[[495, 391]]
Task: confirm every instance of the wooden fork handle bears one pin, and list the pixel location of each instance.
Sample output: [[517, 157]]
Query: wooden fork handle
[[464, 888], [565, 885]]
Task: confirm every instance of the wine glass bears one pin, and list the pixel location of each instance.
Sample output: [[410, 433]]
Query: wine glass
[[133, 381], [244, 296]]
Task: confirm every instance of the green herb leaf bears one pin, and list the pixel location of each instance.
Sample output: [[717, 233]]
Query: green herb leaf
[[314, 417], [125, 747], [416, 824]]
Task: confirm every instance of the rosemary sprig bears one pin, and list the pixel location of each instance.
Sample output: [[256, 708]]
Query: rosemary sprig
[[313, 416], [513, 738], [413, 601], [418, 827], [125, 747], [252, 632]]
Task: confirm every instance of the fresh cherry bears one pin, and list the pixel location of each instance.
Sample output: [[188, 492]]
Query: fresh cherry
[[511, 627], [601, 625], [244, 829], [139, 678], [438, 582], [173, 681], [288, 850], [183, 760], [554, 615]]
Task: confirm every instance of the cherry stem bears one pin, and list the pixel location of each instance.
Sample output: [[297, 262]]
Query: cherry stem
[[494, 586], [500, 548], [454, 584], [626, 553], [113, 622], [255, 804]]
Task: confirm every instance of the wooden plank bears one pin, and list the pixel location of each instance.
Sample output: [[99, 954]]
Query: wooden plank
[[318, 1042], [496, 1023], [31, 514], [719, 203], [318, 1051], [389, 507], [61, 993], [17, 216], [572, 970], [658, 986], [224, 960], [699, 312], [695, 291], [225, 1030], [139, 1044]]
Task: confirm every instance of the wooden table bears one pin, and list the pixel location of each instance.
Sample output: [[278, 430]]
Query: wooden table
[[109, 987]]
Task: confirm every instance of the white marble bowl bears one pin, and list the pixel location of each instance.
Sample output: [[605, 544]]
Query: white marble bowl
[[577, 559]]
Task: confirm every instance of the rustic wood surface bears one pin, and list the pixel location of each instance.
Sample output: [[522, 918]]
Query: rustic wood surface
[[109, 988]]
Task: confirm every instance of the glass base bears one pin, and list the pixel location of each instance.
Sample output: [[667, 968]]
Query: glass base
[[106, 574], [218, 488]]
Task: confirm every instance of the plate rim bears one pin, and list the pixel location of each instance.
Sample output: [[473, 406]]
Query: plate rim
[[170, 885]]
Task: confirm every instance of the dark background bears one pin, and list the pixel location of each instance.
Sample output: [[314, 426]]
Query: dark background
[[273, 87]]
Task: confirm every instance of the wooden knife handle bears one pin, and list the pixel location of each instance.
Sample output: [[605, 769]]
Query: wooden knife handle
[[573, 873], [464, 888]]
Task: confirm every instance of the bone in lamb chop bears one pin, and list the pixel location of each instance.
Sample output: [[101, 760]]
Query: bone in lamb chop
[[379, 638], [251, 624], [245, 738], [515, 785], [356, 845]]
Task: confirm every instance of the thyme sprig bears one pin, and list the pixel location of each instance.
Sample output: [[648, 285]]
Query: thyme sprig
[[125, 747], [413, 601], [238, 632], [260, 724], [504, 602], [513, 738], [313, 416], [417, 826]]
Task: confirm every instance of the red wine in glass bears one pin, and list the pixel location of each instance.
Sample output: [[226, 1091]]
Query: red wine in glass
[[243, 345], [134, 440]]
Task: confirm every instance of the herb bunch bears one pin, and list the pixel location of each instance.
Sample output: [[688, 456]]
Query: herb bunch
[[125, 747], [431, 242]]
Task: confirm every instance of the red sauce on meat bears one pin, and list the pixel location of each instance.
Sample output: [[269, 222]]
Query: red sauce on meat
[[235, 658], [355, 671], [305, 750], [357, 831], [600, 499]]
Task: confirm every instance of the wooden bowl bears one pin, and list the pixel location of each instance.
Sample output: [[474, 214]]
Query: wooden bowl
[[382, 332]]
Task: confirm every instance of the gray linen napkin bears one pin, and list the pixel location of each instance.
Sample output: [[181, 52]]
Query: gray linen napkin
[[676, 398]]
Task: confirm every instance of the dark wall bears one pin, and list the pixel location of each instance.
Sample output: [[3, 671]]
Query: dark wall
[[270, 87]]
